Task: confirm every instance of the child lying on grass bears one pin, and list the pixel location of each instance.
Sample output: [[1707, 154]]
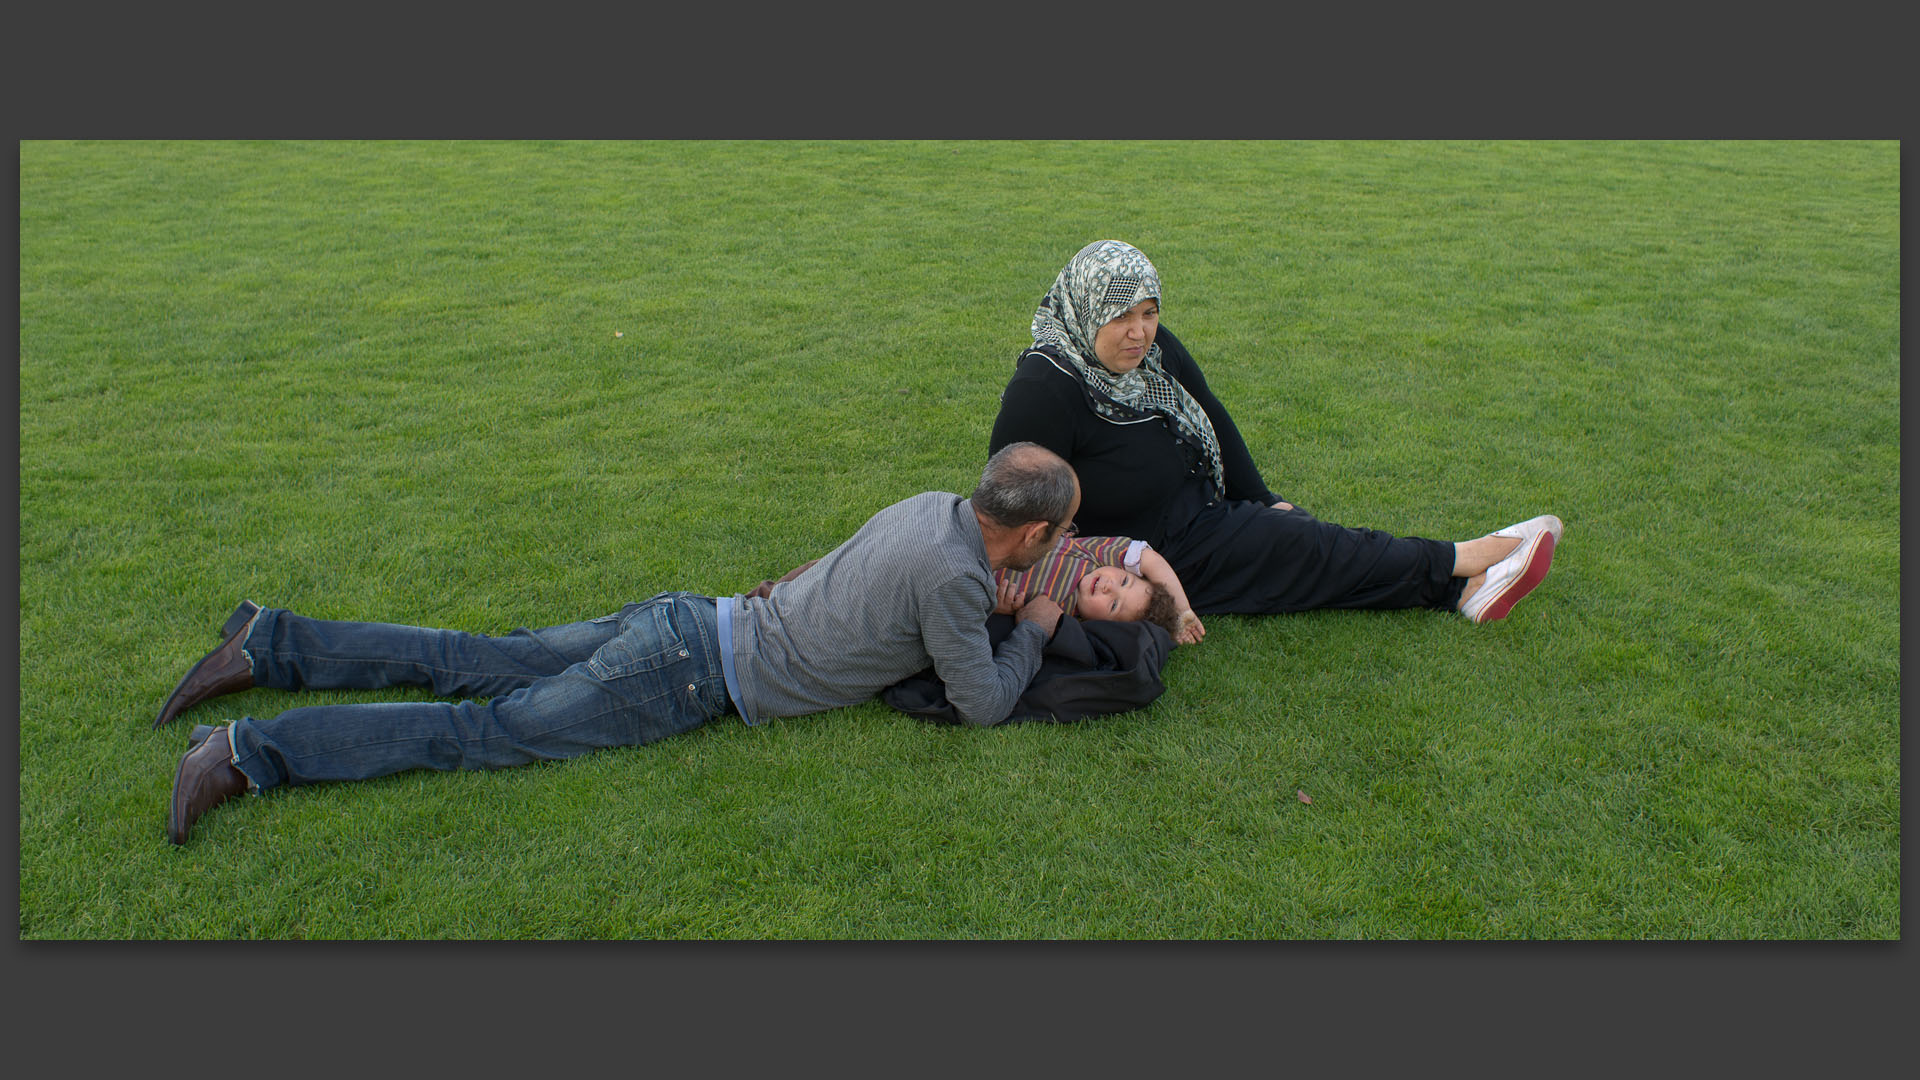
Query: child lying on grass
[[1105, 577], [1110, 578]]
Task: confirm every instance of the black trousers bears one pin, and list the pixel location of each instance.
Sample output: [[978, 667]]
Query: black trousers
[[1248, 558]]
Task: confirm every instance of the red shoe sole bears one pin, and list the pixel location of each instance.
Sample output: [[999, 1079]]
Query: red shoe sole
[[1533, 575]]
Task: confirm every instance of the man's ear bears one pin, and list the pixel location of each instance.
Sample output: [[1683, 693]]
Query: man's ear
[[1035, 532]]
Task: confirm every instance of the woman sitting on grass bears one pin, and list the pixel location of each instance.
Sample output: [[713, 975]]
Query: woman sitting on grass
[[1109, 389]]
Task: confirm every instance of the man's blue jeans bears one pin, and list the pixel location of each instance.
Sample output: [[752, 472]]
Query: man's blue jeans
[[650, 671]]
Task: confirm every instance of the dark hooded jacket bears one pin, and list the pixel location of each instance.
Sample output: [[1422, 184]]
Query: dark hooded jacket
[[1088, 669]]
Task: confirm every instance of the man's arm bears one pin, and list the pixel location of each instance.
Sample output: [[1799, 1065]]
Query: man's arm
[[982, 684]]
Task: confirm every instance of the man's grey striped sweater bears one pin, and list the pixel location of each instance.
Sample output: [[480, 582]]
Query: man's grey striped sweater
[[913, 587]]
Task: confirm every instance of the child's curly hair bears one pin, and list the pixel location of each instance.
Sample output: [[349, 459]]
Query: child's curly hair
[[1160, 609]]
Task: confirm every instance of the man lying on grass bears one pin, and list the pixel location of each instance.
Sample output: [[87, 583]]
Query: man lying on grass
[[912, 588]]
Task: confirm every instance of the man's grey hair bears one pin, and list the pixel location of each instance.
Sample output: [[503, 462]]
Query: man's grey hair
[[1025, 482]]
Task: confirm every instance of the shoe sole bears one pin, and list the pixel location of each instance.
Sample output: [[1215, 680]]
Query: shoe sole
[[1534, 574], [247, 610]]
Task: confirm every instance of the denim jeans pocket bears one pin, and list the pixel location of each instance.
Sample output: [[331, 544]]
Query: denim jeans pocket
[[648, 642]]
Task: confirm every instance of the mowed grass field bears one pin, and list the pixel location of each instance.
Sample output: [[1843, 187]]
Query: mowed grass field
[[491, 385]]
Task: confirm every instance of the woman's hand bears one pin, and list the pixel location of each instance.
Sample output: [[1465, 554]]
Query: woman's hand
[[1283, 505], [1191, 629], [1010, 599]]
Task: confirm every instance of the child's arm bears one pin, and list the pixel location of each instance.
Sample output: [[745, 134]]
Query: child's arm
[[1010, 588], [1155, 568], [765, 588]]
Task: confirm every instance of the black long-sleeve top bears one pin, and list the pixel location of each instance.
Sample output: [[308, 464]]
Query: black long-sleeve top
[[1136, 479], [1233, 552]]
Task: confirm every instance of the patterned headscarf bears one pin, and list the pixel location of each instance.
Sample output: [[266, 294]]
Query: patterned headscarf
[[1105, 279]]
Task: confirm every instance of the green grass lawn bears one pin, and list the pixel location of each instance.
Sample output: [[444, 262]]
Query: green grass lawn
[[495, 385]]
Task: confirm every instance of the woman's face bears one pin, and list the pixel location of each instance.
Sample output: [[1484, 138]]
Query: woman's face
[[1113, 594], [1122, 344]]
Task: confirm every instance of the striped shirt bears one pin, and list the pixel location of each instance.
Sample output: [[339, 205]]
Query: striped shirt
[[1058, 573]]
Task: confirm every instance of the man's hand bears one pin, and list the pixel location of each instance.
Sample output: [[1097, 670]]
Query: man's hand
[[1191, 631], [1042, 610], [1283, 505]]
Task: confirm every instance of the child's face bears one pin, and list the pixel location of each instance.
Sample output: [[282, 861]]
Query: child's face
[[1111, 593]]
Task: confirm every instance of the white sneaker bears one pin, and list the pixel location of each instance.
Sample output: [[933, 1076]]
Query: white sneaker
[[1515, 576], [1525, 529]]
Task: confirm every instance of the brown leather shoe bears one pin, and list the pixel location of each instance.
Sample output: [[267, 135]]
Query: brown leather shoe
[[225, 670], [206, 779]]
